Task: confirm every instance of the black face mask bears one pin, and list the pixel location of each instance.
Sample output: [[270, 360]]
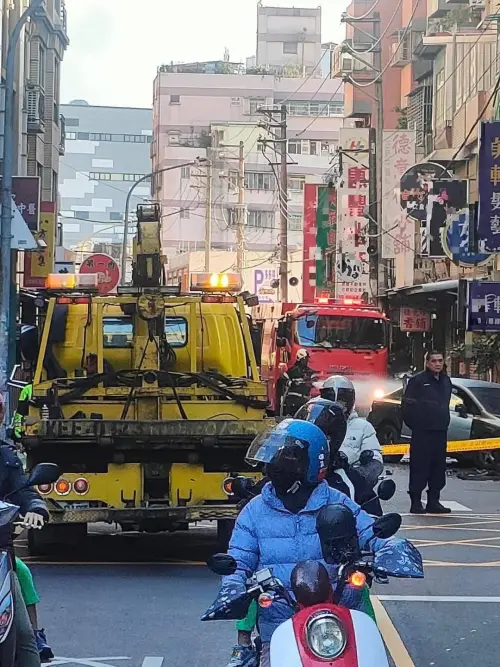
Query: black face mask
[[287, 475]]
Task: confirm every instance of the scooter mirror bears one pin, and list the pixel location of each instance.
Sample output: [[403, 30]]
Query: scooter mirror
[[242, 487], [44, 473], [386, 489], [387, 526], [222, 564]]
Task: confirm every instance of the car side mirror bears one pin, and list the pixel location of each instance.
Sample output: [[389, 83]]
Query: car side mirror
[[461, 410]]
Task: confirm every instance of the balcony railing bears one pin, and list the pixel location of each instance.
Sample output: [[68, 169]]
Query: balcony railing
[[62, 139], [35, 106]]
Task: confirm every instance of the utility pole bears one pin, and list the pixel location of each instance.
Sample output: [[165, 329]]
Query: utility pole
[[240, 229], [6, 216], [379, 151], [283, 204], [208, 216]]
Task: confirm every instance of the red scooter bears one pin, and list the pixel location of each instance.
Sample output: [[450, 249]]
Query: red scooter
[[322, 632]]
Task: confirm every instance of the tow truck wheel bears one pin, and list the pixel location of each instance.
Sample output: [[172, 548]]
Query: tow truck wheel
[[387, 434], [46, 541], [224, 532]]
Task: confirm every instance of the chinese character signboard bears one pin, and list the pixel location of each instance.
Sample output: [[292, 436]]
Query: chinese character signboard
[[351, 262], [326, 240], [398, 157], [489, 186], [455, 241], [40, 263], [484, 306], [309, 263], [108, 272], [414, 320], [26, 196]]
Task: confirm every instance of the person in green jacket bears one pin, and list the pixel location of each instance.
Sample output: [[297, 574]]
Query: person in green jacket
[[22, 411]]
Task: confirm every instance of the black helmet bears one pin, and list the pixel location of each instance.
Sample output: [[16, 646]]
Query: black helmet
[[341, 390], [329, 417]]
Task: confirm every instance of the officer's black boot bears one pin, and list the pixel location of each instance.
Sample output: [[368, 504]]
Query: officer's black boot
[[434, 506], [416, 504]]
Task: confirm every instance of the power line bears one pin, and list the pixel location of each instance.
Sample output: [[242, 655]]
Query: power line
[[379, 39], [320, 114], [106, 183], [364, 16], [395, 52]]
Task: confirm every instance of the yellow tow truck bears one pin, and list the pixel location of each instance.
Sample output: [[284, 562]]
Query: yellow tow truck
[[147, 399]]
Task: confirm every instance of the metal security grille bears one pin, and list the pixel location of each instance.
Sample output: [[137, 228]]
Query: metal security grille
[[420, 112]]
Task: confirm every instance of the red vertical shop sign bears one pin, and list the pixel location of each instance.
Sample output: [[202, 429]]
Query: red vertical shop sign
[[309, 263]]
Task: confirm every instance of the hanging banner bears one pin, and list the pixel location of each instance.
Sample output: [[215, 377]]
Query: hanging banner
[[489, 186], [26, 196], [40, 263], [416, 197], [398, 156], [455, 240], [326, 241], [352, 268], [447, 198], [484, 306], [309, 257]]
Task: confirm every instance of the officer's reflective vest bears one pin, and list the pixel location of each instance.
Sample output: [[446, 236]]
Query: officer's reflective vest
[[22, 410]]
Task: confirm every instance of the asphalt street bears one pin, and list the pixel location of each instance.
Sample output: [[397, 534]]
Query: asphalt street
[[135, 600]]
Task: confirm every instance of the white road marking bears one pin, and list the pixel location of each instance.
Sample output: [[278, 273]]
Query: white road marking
[[437, 598], [152, 662], [456, 507], [88, 662]]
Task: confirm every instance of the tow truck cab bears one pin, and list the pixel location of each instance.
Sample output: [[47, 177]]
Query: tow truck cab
[[148, 401]]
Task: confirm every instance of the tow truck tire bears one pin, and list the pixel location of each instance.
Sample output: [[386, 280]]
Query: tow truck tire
[[44, 542], [224, 532], [388, 434]]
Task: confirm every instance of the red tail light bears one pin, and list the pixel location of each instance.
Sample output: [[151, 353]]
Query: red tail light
[[45, 489], [81, 486]]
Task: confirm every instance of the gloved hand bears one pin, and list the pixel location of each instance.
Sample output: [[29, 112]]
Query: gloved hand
[[366, 457], [341, 461], [33, 520]]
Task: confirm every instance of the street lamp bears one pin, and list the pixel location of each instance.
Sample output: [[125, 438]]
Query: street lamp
[[6, 216], [127, 206]]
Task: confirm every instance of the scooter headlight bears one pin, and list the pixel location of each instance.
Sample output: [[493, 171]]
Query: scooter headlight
[[326, 636]]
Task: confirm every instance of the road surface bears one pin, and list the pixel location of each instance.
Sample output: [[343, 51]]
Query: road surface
[[135, 600]]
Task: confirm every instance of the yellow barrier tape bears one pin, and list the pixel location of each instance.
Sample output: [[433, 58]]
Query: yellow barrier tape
[[454, 446]]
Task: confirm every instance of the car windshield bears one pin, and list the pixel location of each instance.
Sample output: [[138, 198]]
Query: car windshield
[[336, 331], [489, 397]]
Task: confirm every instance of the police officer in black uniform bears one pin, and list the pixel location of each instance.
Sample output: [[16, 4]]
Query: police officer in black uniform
[[426, 410]]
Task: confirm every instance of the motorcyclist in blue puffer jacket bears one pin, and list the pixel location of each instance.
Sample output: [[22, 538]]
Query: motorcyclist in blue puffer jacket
[[278, 528]]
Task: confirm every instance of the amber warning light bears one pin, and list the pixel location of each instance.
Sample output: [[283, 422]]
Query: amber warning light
[[71, 281], [216, 282]]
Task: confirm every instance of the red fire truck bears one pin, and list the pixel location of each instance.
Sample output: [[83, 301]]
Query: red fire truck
[[343, 337]]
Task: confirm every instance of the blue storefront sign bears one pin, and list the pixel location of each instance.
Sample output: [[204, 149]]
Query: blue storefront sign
[[455, 241], [489, 186], [484, 306]]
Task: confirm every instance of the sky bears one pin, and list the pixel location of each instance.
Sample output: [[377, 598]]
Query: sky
[[117, 45]]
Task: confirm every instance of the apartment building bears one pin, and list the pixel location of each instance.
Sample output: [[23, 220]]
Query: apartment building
[[39, 125], [107, 151], [203, 106], [288, 39]]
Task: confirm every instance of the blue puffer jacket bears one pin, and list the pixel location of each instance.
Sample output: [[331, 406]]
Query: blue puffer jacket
[[268, 535]]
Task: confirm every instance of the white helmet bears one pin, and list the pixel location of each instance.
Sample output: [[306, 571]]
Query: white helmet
[[341, 390], [302, 354]]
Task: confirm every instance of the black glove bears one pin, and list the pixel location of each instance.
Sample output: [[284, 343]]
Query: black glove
[[366, 457], [341, 461]]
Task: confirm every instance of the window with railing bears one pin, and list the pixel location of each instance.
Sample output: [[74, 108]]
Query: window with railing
[[255, 180], [419, 111], [295, 222], [307, 108]]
